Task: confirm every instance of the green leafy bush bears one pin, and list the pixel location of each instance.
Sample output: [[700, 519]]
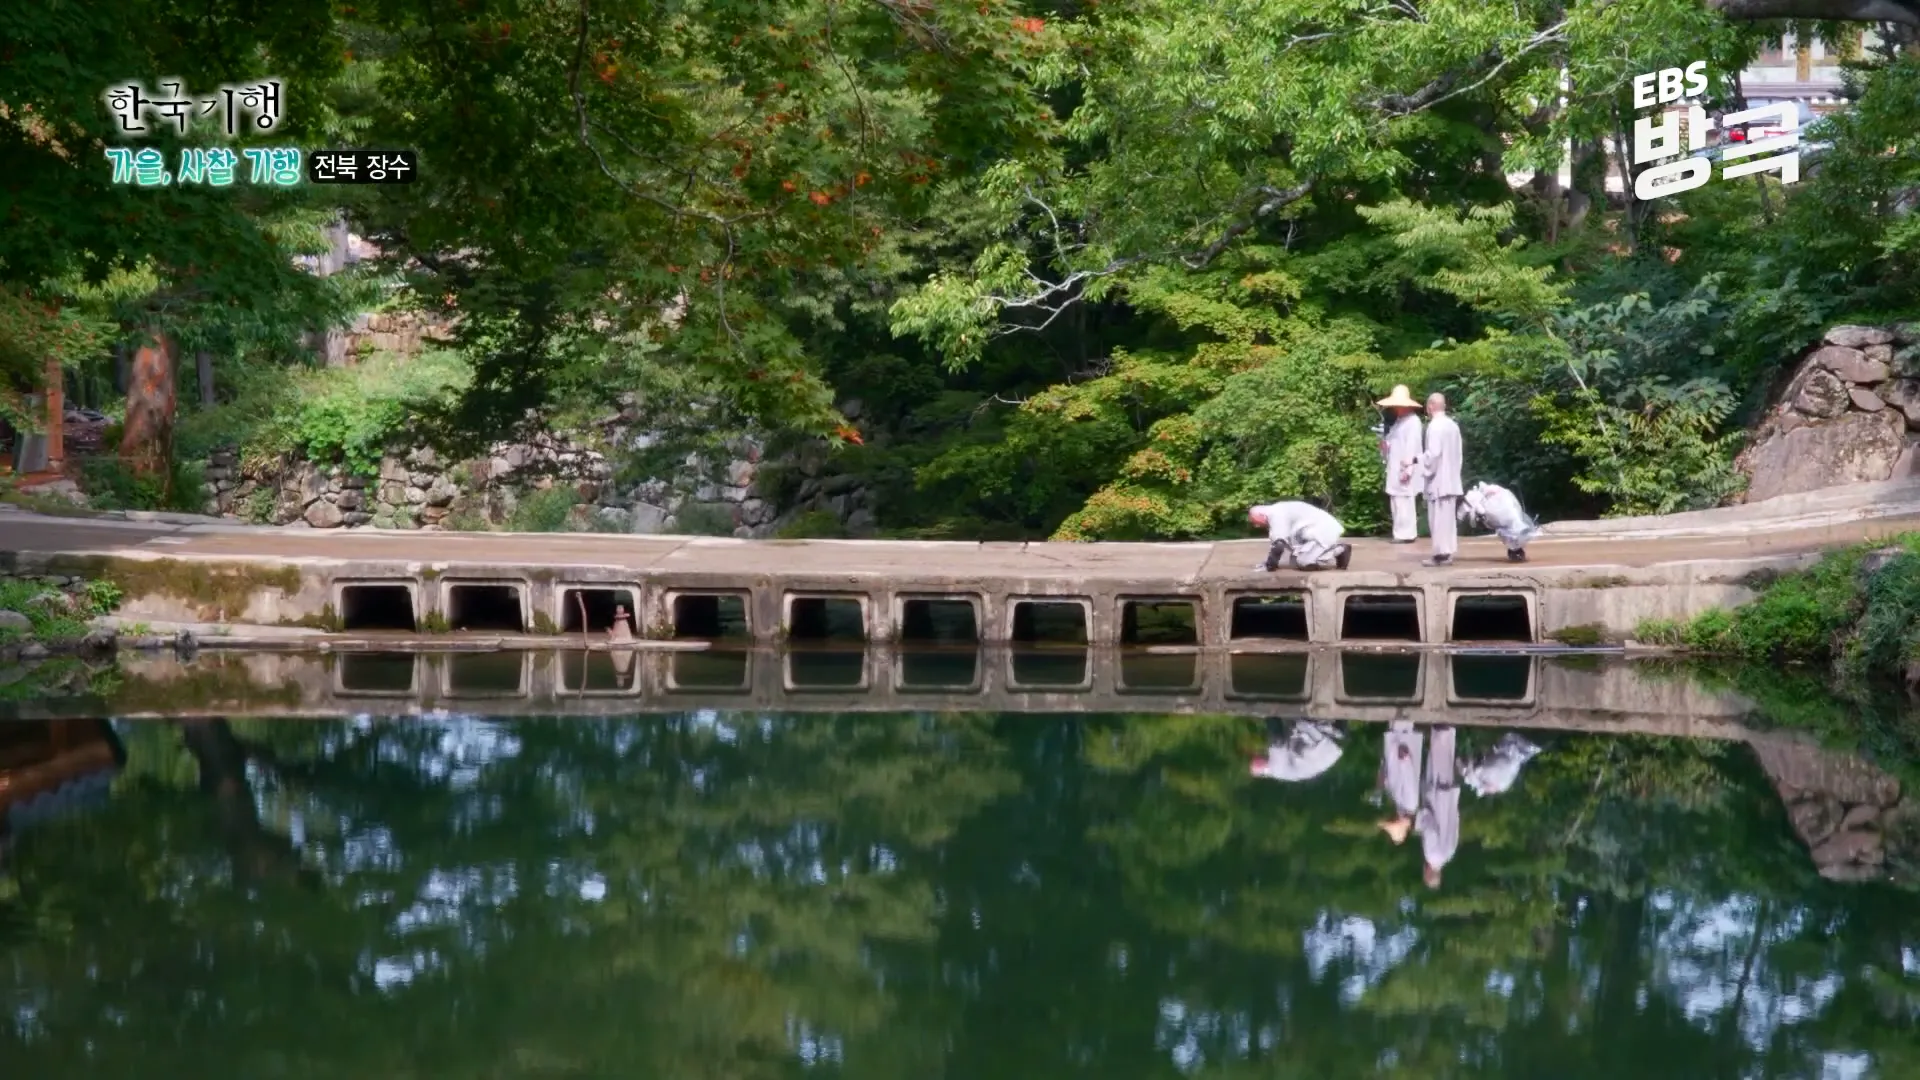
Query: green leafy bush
[[347, 416], [111, 485], [56, 614], [1834, 611]]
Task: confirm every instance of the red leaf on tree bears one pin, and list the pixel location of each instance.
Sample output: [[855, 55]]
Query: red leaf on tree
[[849, 434], [1031, 26], [786, 185], [820, 198], [860, 179]]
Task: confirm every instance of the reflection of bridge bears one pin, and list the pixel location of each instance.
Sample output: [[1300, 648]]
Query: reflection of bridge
[[1844, 809], [1577, 692]]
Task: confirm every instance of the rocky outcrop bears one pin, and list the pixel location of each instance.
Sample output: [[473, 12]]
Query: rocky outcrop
[[1849, 414]]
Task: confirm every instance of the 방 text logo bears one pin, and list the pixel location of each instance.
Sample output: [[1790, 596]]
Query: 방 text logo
[[1658, 136]]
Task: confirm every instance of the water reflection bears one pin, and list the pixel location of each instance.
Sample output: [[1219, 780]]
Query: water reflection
[[1051, 669], [1381, 676], [749, 894], [826, 669], [726, 670], [941, 670]]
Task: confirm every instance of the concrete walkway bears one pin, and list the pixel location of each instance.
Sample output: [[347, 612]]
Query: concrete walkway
[[22, 532]]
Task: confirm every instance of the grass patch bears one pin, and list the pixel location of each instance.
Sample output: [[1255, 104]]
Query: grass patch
[[1864, 622]]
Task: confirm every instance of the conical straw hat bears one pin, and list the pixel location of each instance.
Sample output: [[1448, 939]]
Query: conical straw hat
[[1399, 399]]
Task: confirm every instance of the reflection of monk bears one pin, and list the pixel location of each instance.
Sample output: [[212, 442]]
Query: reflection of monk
[[1400, 777], [1439, 820], [1496, 770], [1301, 750]]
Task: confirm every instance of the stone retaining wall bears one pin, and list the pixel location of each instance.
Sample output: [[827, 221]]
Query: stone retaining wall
[[416, 489], [1849, 414]]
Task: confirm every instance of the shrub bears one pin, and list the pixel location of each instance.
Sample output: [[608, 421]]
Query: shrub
[[345, 416], [543, 511], [705, 519], [111, 485], [813, 525]]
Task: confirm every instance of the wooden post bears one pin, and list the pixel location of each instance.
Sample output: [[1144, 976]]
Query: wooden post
[[56, 416], [203, 374]]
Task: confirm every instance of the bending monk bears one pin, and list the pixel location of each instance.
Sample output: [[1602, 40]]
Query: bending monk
[[1310, 535]]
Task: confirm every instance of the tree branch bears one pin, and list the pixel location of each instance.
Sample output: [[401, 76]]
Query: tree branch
[[1905, 12], [1272, 199]]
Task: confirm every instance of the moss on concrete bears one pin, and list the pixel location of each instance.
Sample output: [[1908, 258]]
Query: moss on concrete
[[1614, 581], [543, 623], [1584, 636], [434, 622], [328, 620], [216, 590]]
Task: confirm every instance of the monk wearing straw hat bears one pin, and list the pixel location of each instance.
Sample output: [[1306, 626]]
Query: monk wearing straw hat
[[1401, 450]]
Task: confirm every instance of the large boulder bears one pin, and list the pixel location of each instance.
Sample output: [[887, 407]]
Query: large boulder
[[1858, 447], [1856, 337], [1852, 365], [1822, 395]]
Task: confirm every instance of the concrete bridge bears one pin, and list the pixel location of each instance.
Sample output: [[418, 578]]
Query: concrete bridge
[[1584, 579]]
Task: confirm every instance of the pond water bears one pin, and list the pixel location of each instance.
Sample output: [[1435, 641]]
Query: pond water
[[782, 893]]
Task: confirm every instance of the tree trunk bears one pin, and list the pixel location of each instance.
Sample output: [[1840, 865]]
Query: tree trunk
[[203, 374], [146, 442], [56, 416], [332, 343], [258, 855]]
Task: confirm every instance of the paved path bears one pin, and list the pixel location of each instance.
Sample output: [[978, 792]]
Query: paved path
[[24, 532]]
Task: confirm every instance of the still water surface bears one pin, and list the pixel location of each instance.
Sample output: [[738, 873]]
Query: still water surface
[[732, 895]]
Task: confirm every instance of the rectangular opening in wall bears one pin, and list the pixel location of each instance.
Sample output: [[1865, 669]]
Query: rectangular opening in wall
[[1050, 622], [598, 607], [1270, 676], [941, 620], [712, 671], [1380, 617], [826, 669], [491, 607], [832, 619], [1159, 622], [486, 674], [377, 674], [1492, 617], [710, 616], [377, 607], [1492, 678], [1054, 669], [940, 670], [1380, 676], [584, 671], [1282, 617], [1159, 673]]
